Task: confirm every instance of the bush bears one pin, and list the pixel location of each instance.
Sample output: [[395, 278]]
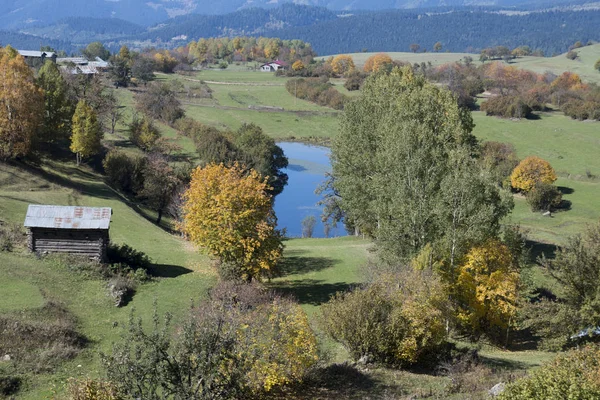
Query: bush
[[572, 55], [500, 159], [244, 340], [317, 91], [11, 236], [397, 320], [9, 385], [574, 375], [124, 172], [512, 106], [126, 255], [354, 81], [544, 197], [531, 172], [40, 340], [91, 389]]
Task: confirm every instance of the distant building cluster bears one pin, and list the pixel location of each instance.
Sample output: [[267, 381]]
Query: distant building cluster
[[73, 65]]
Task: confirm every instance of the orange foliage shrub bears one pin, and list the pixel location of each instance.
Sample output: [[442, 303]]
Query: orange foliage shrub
[[530, 172], [342, 64], [376, 62]]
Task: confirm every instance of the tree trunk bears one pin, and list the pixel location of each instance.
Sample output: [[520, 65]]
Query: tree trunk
[[160, 213]]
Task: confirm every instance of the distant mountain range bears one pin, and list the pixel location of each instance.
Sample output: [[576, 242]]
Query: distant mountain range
[[459, 29], [21, 14]]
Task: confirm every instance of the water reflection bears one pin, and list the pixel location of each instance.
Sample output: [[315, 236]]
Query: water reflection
[[307, 167]]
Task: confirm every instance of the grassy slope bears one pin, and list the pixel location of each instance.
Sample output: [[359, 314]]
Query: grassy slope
[[584, 65], [236, 90], [31, 281]]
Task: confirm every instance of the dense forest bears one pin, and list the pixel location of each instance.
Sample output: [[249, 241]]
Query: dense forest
[[465, 29]]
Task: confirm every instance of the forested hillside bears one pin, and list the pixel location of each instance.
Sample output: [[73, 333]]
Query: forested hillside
[[464, 30], [468, 29]]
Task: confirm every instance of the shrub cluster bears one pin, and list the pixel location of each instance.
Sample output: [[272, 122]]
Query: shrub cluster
[[242, 341], [125, 172], [40, 340], [399, 319], [510, 106], [12, 236], [544, 197], [574, 375], [317, 91]]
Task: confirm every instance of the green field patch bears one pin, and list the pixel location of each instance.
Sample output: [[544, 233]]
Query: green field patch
[[16, 295]]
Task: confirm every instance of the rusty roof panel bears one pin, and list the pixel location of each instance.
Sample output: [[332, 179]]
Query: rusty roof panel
[[67, 217]]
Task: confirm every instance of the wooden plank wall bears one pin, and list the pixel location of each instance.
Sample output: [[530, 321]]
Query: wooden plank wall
[[91, 243]]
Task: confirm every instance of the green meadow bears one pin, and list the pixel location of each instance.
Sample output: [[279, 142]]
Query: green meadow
[[313, 269]]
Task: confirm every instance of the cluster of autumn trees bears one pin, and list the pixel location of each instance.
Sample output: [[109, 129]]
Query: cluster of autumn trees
[[51, 109], [243, 48], [516, 93], [317, 90]]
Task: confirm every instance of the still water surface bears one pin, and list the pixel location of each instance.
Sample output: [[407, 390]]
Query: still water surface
[[307, 167]]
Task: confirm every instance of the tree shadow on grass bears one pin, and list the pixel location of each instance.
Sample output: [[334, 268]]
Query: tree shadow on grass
[[565, 190], [293, 263], [168, 271], [503, 364], [311, 291], [539, 249]]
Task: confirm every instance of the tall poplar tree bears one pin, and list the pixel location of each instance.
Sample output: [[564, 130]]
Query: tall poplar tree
[[21, 105], [87, 132]]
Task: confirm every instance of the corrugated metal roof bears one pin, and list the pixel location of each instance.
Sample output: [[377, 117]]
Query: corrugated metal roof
[[67, 217], [74, 60], [34, 53]]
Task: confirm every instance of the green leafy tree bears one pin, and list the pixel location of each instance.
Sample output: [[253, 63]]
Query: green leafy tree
[[142, 69], [403, 166], [96, 49], [258, 151], [143, 133], [160, 183], [120, 71], [58, 105], [160, 102], [577, 268], [86, 133]]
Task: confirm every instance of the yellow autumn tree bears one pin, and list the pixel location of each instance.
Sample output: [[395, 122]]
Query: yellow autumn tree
[[376, 62], [86, 137], [530, 172], [228, 212], [342, 64], [487, 289], [21, 105], [298, 66]]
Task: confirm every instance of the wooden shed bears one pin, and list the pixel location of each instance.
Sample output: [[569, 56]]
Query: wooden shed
[[67, 229]]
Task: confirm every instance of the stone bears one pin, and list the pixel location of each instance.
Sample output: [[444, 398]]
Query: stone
[[6, 357], [497, 389], [364, 360], [547, 214]]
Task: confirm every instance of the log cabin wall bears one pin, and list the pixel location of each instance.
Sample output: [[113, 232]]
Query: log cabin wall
[[92, 243]]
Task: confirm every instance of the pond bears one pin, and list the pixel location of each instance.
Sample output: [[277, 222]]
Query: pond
[[306, 171]]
